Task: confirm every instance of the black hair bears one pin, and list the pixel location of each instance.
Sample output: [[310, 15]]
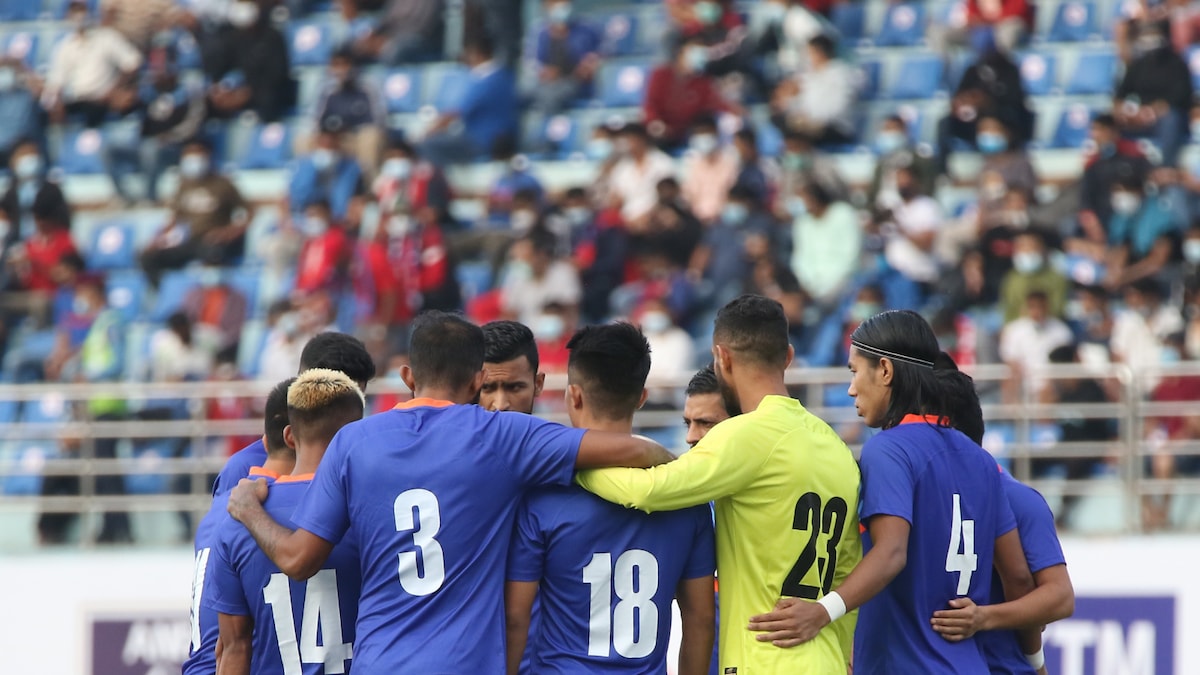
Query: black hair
[[743, 193], [634, 129], [1148, 287], [756, 327], [1038, 295], [705, 121], [824, 44], [1105, 120], [340, 352], [526, 195], [1130, 181], [818, 192], [908, 341], [398, 142], [200, 142], [318, 202], [575, 193], [49, 205], [747, 134], [895, 118], [1064, 354], [610, 363], [445, 350], [962, 400], [480, 43], [344, 53], [507, 340], [542, 240], [275, 417], [668, 182], [703, 382], [181, 325]]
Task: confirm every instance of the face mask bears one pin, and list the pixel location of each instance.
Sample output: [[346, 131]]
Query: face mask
[[243, 14], [1149, 43], [888, 142], [519, 270], [1126, 203], [210, 277], [80, 306], [548, 327], [991, 143], [1169, 355], [193, 166], [560, 13], [8, 79], [861, 311], [78, 22], [1027, 263], [398, 226], [795, 161], [796, 206], [993, 190], [289, 323], [599, 149], [522, 220], [1191, 251], [315, 226], [398, 168], [28, 167], [1195, 128], [1107, 150], [734, 214], [707, 12], [655, 322], [695, 58], [579, 216], [322, 159], [704, 144]]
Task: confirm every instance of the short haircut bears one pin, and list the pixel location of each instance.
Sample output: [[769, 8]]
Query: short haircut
[[445, 350], [703, 382], [507, 340], [275, 417], [634, 129], [340, 352], [824, 44], [1064, 354], [321, 401], [398, 142], [610, 363], [480, 43], [542, 241], [755, 327], [1105, 120], [743, 193], [1037, 296], [575, 193]]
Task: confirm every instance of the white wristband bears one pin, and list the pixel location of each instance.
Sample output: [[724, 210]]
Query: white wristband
[[1037, 659], [833, 603]]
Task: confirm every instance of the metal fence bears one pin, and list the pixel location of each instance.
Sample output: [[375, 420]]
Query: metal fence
[[48, 433]]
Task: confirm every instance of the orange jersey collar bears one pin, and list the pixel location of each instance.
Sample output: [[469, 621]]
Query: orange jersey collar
[[259, 472], [299, 478], [928, 419], [423, 403]]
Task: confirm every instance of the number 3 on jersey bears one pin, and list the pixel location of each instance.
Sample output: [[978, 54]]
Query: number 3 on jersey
[[422, 571], [962, 535], [634, 579]]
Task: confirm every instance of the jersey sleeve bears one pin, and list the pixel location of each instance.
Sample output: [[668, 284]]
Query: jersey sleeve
[[703, 558], [1006, 521], [222, 587], [540, 453], [888, 483], [325, 510], [1035, 525], [527, 553], [724, 462]]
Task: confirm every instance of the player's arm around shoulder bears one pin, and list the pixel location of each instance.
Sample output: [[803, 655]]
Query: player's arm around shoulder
[[297, 553]]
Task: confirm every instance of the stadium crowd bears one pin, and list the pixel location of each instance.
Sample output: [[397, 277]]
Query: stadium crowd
[[723, 182]]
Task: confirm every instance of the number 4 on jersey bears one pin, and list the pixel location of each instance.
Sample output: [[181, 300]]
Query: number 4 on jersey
[[962, 535]]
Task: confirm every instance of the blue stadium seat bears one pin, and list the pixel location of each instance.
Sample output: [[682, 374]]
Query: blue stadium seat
[[19, 10], [28, 461], [620, 32], [770, 140], [1193, 60], [623, 85], [270, 147], [250, 347], [447, 84], [50, 409], [91, 4], [126, 291], [362, 26], [187, 51], [1075, 21], [850, 19], [473, 278], [919, 76], [111, 246], [23, 46], [1094, 74], [1073, 126], [245, 280], [1038, 73], [868, 88], [903, 26], [402, 91], [82, 152], [310, 43], [173, 288], [562, 133], [148, 458]]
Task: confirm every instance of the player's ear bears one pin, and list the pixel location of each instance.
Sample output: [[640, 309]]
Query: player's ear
[[790, 357], [642, 399], [477, 384], [887, 370], [406, 374], [539, 383], [289, 438], [574, 397], [721, 358]]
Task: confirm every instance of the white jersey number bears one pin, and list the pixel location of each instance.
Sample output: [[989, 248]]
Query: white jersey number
[[422, 571], [198, 574], [962, 536], [321, 609], [631, 628]]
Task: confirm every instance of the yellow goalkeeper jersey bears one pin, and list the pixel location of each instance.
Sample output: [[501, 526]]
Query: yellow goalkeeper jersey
[[785, 490]]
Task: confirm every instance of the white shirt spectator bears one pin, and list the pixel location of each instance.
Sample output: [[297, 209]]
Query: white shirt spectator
[[826, 251], [1026, 345], [671, 359], [636, 184], [86, 66], [1134, 343], [525, 296], [827, 95], [921, 215], [799, 26], [173, 361]]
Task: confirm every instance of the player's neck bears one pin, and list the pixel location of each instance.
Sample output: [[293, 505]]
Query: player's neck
[[462, 397], [281, 464], [757, 387], [308, 458], [623, 426]]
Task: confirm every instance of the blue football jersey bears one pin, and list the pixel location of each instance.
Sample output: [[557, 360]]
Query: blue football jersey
[[300, 627], [201, 658], [948, 489], [238, 466], [607, 578], [430, 490], [1035, 525]]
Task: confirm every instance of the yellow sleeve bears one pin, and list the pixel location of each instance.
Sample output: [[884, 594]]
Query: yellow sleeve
[[726, 461]]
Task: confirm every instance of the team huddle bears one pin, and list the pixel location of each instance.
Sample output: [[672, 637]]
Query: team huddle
[[460, 534]]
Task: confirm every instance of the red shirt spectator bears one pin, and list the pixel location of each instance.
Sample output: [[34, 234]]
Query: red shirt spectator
[[406, 183], [322, 261], [43, 252], [678, 94], [406, 269], [989, 12], [1178, 389], [694, 17]]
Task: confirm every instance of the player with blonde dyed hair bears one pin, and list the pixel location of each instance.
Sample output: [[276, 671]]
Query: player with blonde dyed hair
[[269, 624]]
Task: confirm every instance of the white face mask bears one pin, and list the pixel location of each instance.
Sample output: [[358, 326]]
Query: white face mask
[[1028, 262], [548, 327], [322, 159], [655, 322], [522, 220], [704, 144], [398, 168], [210, 277], [243, 14], [1126, 203], [8, 79], [399, 226], [27, 167], [193, 166], [1191, 251], [315, 226]]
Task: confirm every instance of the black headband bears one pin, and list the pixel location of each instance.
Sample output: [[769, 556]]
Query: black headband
[[891, 355]]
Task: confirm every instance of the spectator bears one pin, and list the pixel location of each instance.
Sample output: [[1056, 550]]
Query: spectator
[[409, 31], [30, 185], [325, 255], [352, 107], [49, 245], [1154, 98], [249, 68], [757, 175], [1032, 272], [803, 163], [710, 19], [1137, 330], [773, 279], [138, 21], [91, 71], [1142, 235], [515, 179], [600, 247], [208, 218], [552, 330], [910, 238], [722, 258], [1169, 431], [672, 233], [709, 171], [671, 346], [1114, 160], [536, 277], [827, 246], [407, 183], [174, 357], [819, 102], [568, 54], [488, 111], [679, 94], [897, 151], [1006, 166], [990, 87], [325, 174], [1026, 343], [634, 180], [1190, 272], [20, 115], [998, 25], [217, 312], [787, 30]]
